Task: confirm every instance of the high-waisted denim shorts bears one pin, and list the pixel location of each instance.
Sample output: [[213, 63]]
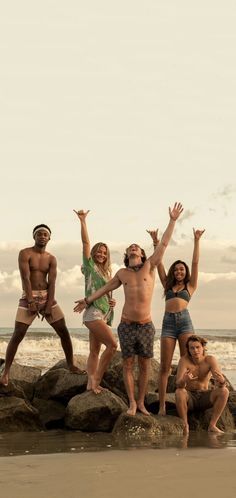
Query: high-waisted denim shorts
[[175, 324]]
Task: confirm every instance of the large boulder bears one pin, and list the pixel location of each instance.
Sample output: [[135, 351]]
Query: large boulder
[[143, 427], [12, 390], [51, 413], [25, 377], [94, 412], [60, 384], [199, 420], [232, 404], [17, 414], [152, 403], [79, 360]]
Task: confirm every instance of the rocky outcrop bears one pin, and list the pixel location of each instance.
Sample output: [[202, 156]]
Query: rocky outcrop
[[18, 415], [60, 384], [94, 412], [58, 399]]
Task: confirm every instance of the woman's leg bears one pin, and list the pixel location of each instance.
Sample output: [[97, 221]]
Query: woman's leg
[[99, 333], [167, 351]]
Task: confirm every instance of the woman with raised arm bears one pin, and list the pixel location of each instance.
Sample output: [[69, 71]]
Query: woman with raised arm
[[179, 285], [97, 317]]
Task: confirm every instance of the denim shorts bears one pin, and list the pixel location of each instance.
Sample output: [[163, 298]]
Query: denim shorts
[[175, 324]]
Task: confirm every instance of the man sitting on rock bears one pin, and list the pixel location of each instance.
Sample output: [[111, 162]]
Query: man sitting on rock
[[194, 372]]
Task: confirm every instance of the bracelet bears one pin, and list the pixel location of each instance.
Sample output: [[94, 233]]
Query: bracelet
[[30, 302], [86, 301]]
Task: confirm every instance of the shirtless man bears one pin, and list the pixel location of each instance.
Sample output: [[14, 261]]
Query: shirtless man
[[38, 270], [136, 330], [194, 372]]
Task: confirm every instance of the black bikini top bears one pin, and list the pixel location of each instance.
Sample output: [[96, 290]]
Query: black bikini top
[[182, 294]]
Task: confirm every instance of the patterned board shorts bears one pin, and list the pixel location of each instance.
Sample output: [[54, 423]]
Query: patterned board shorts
[[23, 314], [175, 324], [199, 400], [136, 338]]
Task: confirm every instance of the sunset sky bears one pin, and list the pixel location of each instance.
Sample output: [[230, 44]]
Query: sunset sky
[[121, 108]]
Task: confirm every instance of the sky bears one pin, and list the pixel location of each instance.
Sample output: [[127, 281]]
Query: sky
[[122, 108]]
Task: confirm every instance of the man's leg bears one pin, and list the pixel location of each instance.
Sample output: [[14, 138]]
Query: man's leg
[[144, 367], [17, 336], [61, 329], [181, 398], [128, 365], [167, 351], [219, 398]]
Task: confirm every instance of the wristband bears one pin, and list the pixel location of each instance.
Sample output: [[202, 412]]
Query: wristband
[[30, 302], [86, 301]]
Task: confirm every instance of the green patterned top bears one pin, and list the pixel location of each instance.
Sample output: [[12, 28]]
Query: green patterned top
[[94, 280]]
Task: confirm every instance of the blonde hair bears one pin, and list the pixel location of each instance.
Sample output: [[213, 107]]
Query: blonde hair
[[104, 268]]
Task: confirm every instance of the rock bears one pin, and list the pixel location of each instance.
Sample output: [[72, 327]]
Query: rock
[[12, 390], [200, 420], [51, 413], [232, 404], [94, 412], [146, 427], [25, 377], [152, 403], [60, 385], [79, 360], [113, 377], [18, 415]]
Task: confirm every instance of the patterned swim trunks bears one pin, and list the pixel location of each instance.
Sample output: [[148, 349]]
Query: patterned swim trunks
[[136, 338], [23, 314]]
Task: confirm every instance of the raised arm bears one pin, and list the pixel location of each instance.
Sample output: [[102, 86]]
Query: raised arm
[[157, 256], [84, 232], [113, 284], [195, 260], [161, 270]]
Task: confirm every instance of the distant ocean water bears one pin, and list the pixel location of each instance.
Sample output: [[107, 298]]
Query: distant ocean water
[[42, 347]]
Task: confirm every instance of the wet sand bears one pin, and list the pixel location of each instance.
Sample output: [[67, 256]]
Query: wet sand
[[133, 473]]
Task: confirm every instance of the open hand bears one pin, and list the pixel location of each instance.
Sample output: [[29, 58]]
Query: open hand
[[154, 236], [80, 306], [176, 211]]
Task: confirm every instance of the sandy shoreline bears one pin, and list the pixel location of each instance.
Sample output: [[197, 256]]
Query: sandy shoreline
[[139, 473]]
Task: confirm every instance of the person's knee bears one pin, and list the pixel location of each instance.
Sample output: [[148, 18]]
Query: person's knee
[[144, 364], [165, 369], [19, 332], [128, 365], [223, 393], [112, 347], [180, 394]]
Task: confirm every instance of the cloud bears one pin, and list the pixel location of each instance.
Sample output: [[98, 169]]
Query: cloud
[[187, 214]]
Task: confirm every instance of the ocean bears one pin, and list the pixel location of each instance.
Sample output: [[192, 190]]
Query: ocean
[[42, 348]]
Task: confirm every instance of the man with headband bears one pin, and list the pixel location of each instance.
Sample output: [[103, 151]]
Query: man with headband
[[38, 270]]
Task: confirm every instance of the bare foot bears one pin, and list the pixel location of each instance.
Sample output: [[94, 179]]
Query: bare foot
[[142, 409], [162, 411], [132, 408], [4, 380], [213, 428], [76, 370]]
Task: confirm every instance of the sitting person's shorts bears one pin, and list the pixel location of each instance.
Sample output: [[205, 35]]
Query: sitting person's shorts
[[136, 338], [199, 400], [175, 324], [23, 314]]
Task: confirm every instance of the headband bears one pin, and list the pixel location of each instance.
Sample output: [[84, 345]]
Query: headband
[[41, 228]]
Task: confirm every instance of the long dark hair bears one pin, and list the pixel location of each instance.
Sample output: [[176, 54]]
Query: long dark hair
[[170, 278]]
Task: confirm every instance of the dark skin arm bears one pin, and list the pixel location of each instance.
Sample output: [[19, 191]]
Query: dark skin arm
[[52, 275], [24, 267]]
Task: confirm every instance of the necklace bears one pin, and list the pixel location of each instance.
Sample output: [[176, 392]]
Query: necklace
[[136, 267]]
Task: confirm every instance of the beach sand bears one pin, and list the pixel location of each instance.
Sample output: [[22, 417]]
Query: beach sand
[[131, 473]]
